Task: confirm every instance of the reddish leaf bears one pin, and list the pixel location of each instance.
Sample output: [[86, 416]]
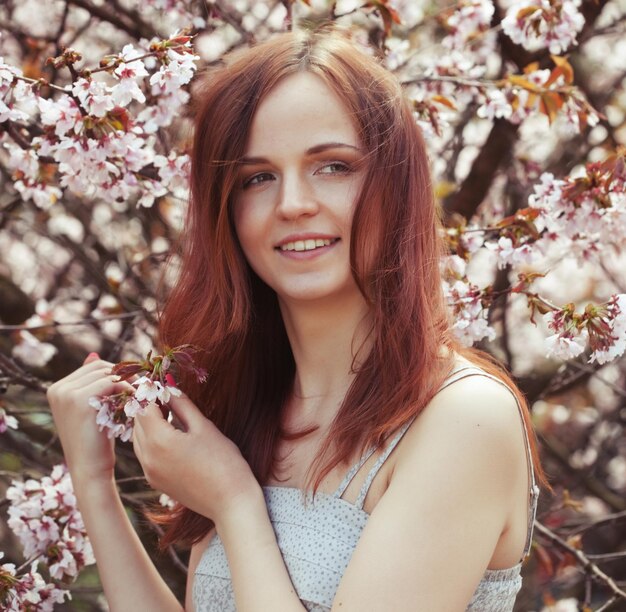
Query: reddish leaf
[[565, 68], [388, 13], [443, 100]]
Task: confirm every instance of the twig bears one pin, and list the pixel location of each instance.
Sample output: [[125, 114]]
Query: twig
[[594, 372], [137, 28], [131, 479], [611, 518], [607, 556], [19, 376], [608, 604], [178, 562], [583, 560]]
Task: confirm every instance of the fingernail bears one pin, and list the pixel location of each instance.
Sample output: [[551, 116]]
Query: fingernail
[[170, 380], [93, 355]]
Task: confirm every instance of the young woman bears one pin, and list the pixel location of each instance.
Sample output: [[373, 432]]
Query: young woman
[[310, 275]]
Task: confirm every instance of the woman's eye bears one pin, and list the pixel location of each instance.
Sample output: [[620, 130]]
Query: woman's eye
[[257, 179], [335, 168]]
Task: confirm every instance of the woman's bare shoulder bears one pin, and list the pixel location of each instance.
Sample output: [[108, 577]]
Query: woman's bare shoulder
[[472, 401], [475, 419]]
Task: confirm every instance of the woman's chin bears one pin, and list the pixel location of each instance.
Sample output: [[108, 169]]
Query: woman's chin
[[316, 294]]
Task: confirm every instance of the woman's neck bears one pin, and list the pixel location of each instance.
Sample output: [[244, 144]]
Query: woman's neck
[[328, 339]]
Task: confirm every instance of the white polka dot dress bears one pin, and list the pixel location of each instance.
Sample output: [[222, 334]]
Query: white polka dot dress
[[317, 540]]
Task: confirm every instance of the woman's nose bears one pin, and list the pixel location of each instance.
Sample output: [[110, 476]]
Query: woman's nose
[[296, 198]]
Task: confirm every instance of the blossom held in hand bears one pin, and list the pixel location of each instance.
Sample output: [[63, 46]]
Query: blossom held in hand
[[116, 413]]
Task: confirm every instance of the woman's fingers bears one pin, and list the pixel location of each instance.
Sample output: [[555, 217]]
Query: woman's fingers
[[104, 386], [186, 411], [93, 366], [89, 377]]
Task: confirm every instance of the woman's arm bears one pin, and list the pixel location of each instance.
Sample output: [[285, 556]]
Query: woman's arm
[[258, 572], [129, 579], [459, 477]]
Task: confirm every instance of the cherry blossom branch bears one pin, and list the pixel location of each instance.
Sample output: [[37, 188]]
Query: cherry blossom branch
[[135, 26], [27, 563], [14, 374], [56, 324], [232, 18], [583, 560]]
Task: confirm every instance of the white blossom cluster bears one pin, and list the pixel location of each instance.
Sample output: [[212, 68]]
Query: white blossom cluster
[[28, 591], [44, 516], [469, 20], [540, 24], [116, 413], [510, 255], [604, 329], [465, 301], [583, 227], [100, 149]]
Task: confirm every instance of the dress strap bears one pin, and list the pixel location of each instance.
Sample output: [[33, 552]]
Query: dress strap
[[370, 451], [379, 463], [353, 471]]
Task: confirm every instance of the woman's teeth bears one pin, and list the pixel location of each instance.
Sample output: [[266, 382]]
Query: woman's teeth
[[305, 245]]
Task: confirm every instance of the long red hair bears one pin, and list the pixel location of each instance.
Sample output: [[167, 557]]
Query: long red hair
[[219, 304]]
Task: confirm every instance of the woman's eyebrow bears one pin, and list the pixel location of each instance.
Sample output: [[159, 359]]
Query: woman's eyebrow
[[320, 148]]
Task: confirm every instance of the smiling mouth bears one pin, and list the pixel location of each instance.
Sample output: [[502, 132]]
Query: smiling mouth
[[306, 245]]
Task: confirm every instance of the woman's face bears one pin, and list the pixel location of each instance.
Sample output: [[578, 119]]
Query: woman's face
[[301, 174]]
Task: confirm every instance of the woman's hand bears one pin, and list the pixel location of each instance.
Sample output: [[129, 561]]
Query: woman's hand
[[200, 467], [89, 453]]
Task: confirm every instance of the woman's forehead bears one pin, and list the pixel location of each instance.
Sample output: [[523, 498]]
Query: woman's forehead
[[300, 110]]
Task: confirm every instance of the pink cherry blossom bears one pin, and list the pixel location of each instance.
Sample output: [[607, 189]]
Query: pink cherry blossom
[[112, 416], [565, 347], [31, 351], [496, 106], [166, 501], [469, 19], [509, 254], [62, 113], [612, 344], [149, 390], [94, 96], [470, 318], [7, 421]]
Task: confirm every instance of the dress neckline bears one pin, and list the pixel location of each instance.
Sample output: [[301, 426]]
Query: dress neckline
[[505, 573]]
